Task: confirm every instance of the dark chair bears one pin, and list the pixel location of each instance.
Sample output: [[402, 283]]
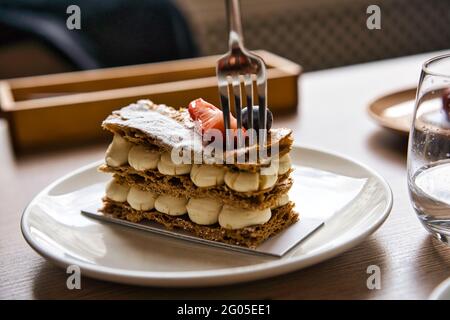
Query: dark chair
[[113, 32]]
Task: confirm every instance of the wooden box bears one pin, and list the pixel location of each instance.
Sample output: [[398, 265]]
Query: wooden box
[[68, 108]]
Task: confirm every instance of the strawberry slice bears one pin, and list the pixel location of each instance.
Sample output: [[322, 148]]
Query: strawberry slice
[[209, 116]]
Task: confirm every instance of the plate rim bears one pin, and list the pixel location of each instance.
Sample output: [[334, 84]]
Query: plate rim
[[438, 292], [212, 277]]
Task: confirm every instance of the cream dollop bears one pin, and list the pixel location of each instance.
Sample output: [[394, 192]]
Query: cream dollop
[[141, 200], [204, 211], [278, 166], [284, 164], [167, 166], [233, 218], [173, 206], [281, 201], [116, 191], [142, 158], [267, 181], [205, 175], [242, 181], [117, 152]]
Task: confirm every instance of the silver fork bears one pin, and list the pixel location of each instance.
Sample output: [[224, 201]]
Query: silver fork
[[239, 68]]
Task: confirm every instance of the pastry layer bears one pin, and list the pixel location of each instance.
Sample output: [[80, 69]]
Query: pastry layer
[[251, 237], [146, 123], [182, 186]]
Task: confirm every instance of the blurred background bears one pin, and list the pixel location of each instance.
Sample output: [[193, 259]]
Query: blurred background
[[317, 34]]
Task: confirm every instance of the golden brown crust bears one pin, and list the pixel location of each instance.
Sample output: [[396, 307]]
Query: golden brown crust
[[182, 186], [250, 237]]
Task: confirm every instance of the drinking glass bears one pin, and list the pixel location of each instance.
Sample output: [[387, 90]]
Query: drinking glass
[[429, 148]]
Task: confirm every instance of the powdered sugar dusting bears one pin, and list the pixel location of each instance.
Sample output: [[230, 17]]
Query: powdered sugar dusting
[[171, 127]]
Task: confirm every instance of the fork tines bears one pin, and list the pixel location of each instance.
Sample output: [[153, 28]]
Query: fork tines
[[241, 88]]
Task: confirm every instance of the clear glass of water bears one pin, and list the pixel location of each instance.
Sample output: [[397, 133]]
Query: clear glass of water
[[429, 148]]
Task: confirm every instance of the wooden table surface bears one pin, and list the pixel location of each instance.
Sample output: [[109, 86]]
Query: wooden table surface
[[332, 116]]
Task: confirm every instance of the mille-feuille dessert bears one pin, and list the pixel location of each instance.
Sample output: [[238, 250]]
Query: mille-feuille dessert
[[229, 201]]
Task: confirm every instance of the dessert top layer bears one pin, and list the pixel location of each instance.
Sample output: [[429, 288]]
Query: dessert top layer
[[162, 126]]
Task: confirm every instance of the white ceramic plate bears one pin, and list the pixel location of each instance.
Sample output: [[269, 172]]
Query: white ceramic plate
[[353, 200], [442, 291]]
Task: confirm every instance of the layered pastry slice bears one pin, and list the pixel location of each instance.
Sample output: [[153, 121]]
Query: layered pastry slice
[[240, 203]]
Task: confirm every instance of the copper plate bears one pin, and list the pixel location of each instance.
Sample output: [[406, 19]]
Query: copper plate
[[394, 111]]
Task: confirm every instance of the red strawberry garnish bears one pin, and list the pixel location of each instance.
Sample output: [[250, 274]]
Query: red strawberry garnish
[[209, 116]]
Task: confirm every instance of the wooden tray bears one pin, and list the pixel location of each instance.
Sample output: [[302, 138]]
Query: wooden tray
[[394, 111], [68, 108]]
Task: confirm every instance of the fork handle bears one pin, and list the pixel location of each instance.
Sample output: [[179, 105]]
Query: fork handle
[[236, 39]]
